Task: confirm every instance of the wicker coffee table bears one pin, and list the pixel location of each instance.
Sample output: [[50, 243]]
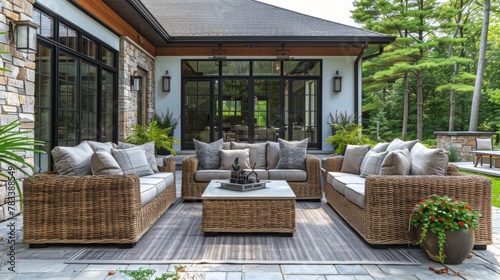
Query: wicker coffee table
[[271, 209]]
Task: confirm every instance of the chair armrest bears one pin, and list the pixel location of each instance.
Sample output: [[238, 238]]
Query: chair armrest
[[313, 164], [389, 200], [333, 163], [77, 200], [189, 168], [168, 165]]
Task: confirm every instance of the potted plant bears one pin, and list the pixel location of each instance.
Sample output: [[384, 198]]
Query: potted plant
[[166, 121], [445, 228], [348, 134], [12, 141], [142, 134]]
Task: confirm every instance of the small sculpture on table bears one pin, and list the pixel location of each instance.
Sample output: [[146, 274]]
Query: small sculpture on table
[[237, 173], [252, 176]]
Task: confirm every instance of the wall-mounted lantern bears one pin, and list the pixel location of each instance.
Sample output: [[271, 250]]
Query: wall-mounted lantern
[[337, 82], [23, 33], [136, 82], [166, 82]]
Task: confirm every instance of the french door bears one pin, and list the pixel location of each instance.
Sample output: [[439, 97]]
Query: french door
[[250, 110]]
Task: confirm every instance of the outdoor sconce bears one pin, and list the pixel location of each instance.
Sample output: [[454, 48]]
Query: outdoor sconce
[[166, 82], [23, 33], [282, 55], [337, 83], [219, 54], [136, 82]]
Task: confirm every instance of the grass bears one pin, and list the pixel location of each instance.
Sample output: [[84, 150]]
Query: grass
[[495, 193]]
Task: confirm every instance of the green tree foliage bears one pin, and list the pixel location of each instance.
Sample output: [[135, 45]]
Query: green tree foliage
[[429, 71]]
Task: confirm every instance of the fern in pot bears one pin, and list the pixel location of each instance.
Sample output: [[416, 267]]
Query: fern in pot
[[142, 134]]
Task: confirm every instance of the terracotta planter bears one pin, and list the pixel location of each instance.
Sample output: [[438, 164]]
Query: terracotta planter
[[457, 246]]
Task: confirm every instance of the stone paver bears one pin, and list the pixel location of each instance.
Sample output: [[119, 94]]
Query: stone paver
[[306, 269]]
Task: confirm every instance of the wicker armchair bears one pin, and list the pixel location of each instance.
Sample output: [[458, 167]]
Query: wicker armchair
[[90, 209], [310, 189], [389, 201]]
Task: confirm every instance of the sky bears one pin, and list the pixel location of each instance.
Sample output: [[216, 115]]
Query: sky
[[333, 10]]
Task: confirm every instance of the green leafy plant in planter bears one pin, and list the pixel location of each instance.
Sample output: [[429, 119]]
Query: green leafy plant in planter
[[341, 120], [166, 121], [348, 134], [441, 215], [142, 134], [12, 141]]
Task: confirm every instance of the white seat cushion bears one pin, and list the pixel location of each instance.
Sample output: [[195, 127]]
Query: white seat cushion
[[356, 194], [336, 184], [262, 173], [167, 176], [148, 193], [339, 183]]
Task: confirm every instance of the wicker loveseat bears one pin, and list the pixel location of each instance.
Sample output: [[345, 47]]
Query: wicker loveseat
[[388, 201], [95, 208], [306, 184]]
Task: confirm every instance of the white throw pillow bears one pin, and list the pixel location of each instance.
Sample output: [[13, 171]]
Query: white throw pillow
[[227, 158]]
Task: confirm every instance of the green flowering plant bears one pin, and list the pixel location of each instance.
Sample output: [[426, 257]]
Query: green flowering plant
[[441, 213]]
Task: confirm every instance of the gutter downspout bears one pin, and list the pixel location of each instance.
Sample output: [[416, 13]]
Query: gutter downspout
[[357, 109]]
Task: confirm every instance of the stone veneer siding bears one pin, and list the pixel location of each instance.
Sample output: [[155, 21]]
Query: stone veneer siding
[[132, 57], [462, 141], [17, 88]]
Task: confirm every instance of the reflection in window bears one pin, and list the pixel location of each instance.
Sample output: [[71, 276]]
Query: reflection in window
[[45, 22], [266, 68], [237, 68], [68, 37], [302, 68], [89, 48], [199, 68]]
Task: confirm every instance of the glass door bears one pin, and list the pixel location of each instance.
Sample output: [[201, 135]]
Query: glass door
[[197, 122], [233, 110], [301, 110]]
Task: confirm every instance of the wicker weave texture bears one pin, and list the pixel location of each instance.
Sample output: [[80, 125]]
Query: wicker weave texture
[[248, 216], [89, 209], [389, 201], [310, 189]]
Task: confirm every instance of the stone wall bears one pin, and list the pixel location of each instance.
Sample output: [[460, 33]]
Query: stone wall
[[132, 57], [17, 88], [462, 141]]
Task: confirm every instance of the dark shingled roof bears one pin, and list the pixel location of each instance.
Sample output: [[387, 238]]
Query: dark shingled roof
[[234, 20]]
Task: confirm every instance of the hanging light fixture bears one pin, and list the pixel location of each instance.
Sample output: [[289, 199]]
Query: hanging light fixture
[[283, 54], [136, 82], [166, 82], [23, 33], [219, 54], [337, 82]]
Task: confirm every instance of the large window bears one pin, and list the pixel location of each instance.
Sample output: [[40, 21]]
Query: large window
[[75, 87], [254, 101]]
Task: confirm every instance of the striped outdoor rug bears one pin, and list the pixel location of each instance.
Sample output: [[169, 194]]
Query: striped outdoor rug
[[322, 237]]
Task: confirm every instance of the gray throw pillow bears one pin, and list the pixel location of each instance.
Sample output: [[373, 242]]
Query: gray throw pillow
[[292, 154], [227, 158], [353, 157], [208, 154], [103, 163], [132, 161], [425, 161], [73, 161], [373, 163], [257, 153], [149, 148], [396, 163]]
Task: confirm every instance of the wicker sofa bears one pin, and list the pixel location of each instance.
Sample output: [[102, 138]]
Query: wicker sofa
[[306, 184], [388, 201], [95, 208]]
